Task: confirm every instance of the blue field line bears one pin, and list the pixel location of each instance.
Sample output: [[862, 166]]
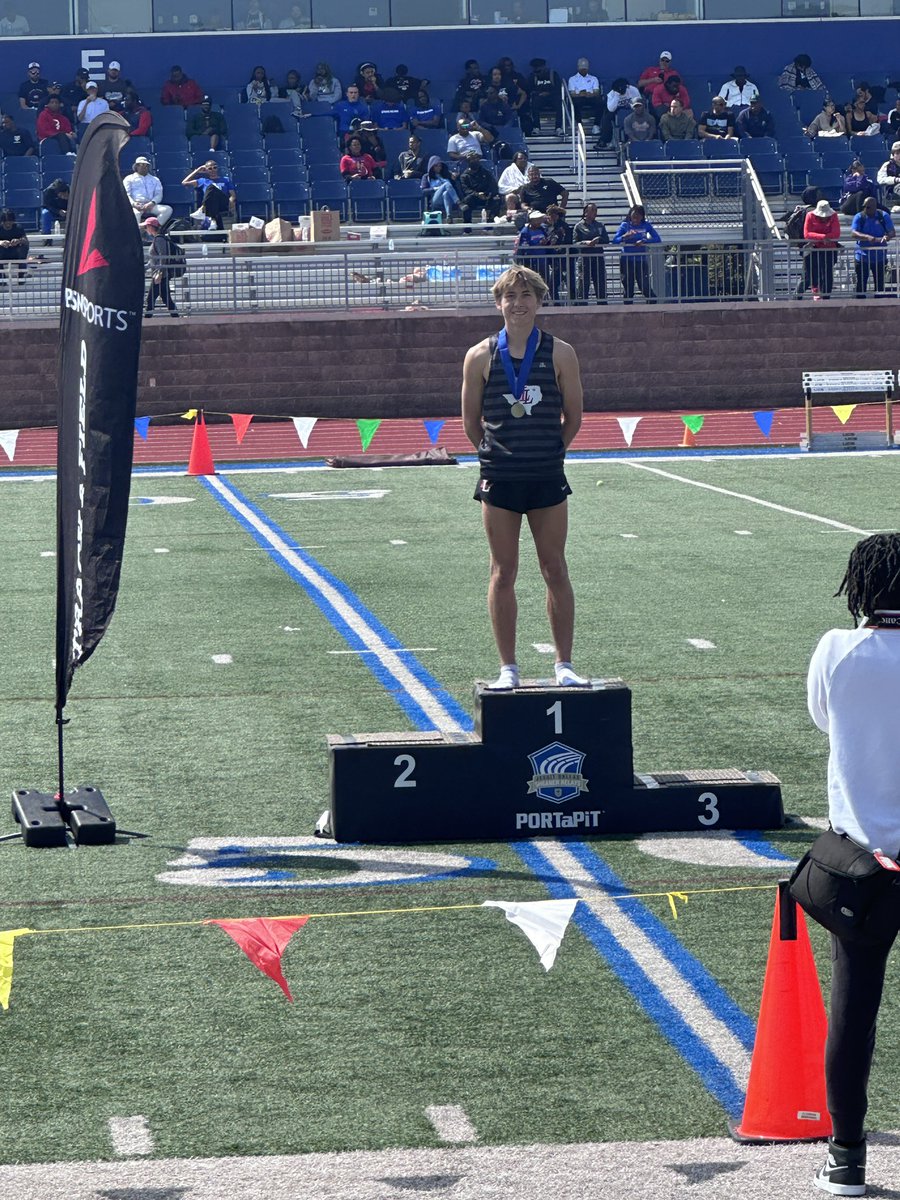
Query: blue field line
[[751, 839], [382, 673], [716, 1077]]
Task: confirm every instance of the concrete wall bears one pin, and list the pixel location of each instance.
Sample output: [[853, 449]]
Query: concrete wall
[[633, 359]]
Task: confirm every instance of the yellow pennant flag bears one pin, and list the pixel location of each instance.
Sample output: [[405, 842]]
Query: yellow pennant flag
[[7, 937], [190, 415], [843, 412]]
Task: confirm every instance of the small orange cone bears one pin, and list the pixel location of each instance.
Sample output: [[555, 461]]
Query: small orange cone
[[786, 1091], [689, 439], [201, 460]]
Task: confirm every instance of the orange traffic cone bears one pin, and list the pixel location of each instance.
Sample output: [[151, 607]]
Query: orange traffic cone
[[786, 1091], [688, 439], [201, 460]]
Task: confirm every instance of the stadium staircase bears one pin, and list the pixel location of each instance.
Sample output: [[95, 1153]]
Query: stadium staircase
[[604, 185]]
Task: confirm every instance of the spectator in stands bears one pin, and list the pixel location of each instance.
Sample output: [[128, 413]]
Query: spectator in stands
[[350, 109], [181, 89], [53, 125], [858, 187], [717, 121], [531, 244], [508, 88], [639, 125], [755, 121], [114, 87], [438, 187], [889, 173], [73, 93], [13, 242], [33, 92], [137, 116], [471, 84], [514, 177], [298, 19], [259, 89], [739, 91], [390, 112], [355, 163], [634, 235], [494, 111], [144, 191], [368, 81], [477, 191], [829, 121], [859, 113], [160, 265], [619, 101], [560, 259], [293, 91], [516, 86], [595, 12], [665, 93], [405, 85], [821, 229], [469, 136], [54, 204], [589, 237], [372, 144], [255, 18], [676, 124], [650, 78], [891, 127], [540, 191], [515, 213], [873, 229], [425, 113], [13, 24], [799, 76], [584, 90], [207, 123], [323, 88], [218, 194], [92, 106], [544, 89], [15, 142], [411, 163], [794, 224]]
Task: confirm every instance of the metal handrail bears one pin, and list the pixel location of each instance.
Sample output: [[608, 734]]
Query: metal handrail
[[579, 163]]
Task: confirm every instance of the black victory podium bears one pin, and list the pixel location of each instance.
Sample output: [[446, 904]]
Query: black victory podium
[[542, 761]]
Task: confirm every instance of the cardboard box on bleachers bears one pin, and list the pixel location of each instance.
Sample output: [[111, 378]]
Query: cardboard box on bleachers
[[243, 236], [322, 225]]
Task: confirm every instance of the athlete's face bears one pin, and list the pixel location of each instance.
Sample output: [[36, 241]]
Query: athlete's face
[[518, 304]]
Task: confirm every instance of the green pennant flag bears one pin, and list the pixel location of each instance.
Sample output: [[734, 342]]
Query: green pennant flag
[[367, 430], [694, 424]]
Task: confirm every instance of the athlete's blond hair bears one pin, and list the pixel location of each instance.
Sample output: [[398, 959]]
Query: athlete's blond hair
[[523, 275]]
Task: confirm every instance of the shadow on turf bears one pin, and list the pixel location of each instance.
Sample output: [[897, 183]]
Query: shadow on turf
[[421, 1183]]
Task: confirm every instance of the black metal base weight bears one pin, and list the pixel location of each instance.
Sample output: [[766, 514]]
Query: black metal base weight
[[48, 820], [543, 761]]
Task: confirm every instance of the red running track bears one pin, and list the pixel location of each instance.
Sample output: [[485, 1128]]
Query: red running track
[[276, 440]]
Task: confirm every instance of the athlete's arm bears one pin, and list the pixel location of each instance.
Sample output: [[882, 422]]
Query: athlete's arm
[[473, 391], [568, 377]]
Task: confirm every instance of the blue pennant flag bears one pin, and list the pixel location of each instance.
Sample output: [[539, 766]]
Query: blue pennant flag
[[764, 421], [142, 426], [433, 429]]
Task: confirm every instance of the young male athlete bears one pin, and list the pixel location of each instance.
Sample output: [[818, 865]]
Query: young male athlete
[[521, 408], [854, 696]]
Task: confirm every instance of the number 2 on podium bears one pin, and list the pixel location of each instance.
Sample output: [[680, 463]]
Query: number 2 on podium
[[555, 711]]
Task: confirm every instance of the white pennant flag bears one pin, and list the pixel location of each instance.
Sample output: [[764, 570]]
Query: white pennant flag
[[8, 439], [304, 427], [628, 425], [542, 921]]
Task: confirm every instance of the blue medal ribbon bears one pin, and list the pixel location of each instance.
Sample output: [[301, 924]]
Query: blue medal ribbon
[[518, 382]]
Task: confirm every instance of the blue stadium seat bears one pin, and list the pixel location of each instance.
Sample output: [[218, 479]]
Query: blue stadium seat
[[136, 146], [282, 109], [874, 154], [172, 176], [318, 131], [291, 199], [808, 105], [253, 200], [24, 201], [834, 152], [655, 185], [683, 149], [758, 145], [646, 151], [769, 170], [280, 141], [56, 166], [325, 173], [797, 143], [20, 170], [181, 199], [368, 200], [721, 148], [434, 141], [405, 200], [222, 157], [395, 141], [285, 155], [797, 165], [242, 118], [829, 181], [168, 119], [859, 143], [287, 173], [244, 173], [253, 156], [692, 183], [321, 156], [330, 195], [225, 97], [179, 160]]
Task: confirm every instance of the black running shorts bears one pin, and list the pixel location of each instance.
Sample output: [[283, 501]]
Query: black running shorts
[[522, 495]]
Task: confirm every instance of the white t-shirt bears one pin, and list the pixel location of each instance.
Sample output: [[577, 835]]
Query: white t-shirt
[[465, 143], [738, 97], [583, 83], [616, 100], [853, 693]]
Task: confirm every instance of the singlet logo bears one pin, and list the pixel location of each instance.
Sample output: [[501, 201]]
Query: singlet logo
[[90, 258], [530, 397]]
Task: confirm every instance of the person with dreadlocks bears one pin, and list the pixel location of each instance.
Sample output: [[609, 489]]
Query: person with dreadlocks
[[853, 691]]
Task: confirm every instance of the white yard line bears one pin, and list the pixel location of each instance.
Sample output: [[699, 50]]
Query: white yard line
[[451, 1123], [709, 487], [130, 1136]]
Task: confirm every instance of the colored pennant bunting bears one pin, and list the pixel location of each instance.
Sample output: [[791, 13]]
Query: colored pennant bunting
[[241, 424], [542, 921], [264, 940], [764, 421], [843, 412], [7, 938], [433, 429], [189, 415], [304, 427], [367, 429], [628, 425], [142, 427], [8, 439], [694, 423]]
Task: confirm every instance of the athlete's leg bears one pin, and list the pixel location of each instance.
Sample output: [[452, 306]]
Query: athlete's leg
[[549, 527], [502, 528]]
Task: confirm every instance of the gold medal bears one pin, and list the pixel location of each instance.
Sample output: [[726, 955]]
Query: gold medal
[[518, 410]]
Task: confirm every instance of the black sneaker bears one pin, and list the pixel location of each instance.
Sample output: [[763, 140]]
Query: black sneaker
[[843, 1172]]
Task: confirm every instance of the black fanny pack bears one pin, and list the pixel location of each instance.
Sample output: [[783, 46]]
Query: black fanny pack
[[843, 887]]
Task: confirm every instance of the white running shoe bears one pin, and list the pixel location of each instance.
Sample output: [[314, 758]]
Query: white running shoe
[[566, 676]]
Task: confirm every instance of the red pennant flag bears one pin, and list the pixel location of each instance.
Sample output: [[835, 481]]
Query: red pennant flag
[[264, 941], [241, 424]]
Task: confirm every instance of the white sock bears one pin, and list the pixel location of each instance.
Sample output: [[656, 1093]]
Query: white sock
[[566, 677], [507, 679]]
